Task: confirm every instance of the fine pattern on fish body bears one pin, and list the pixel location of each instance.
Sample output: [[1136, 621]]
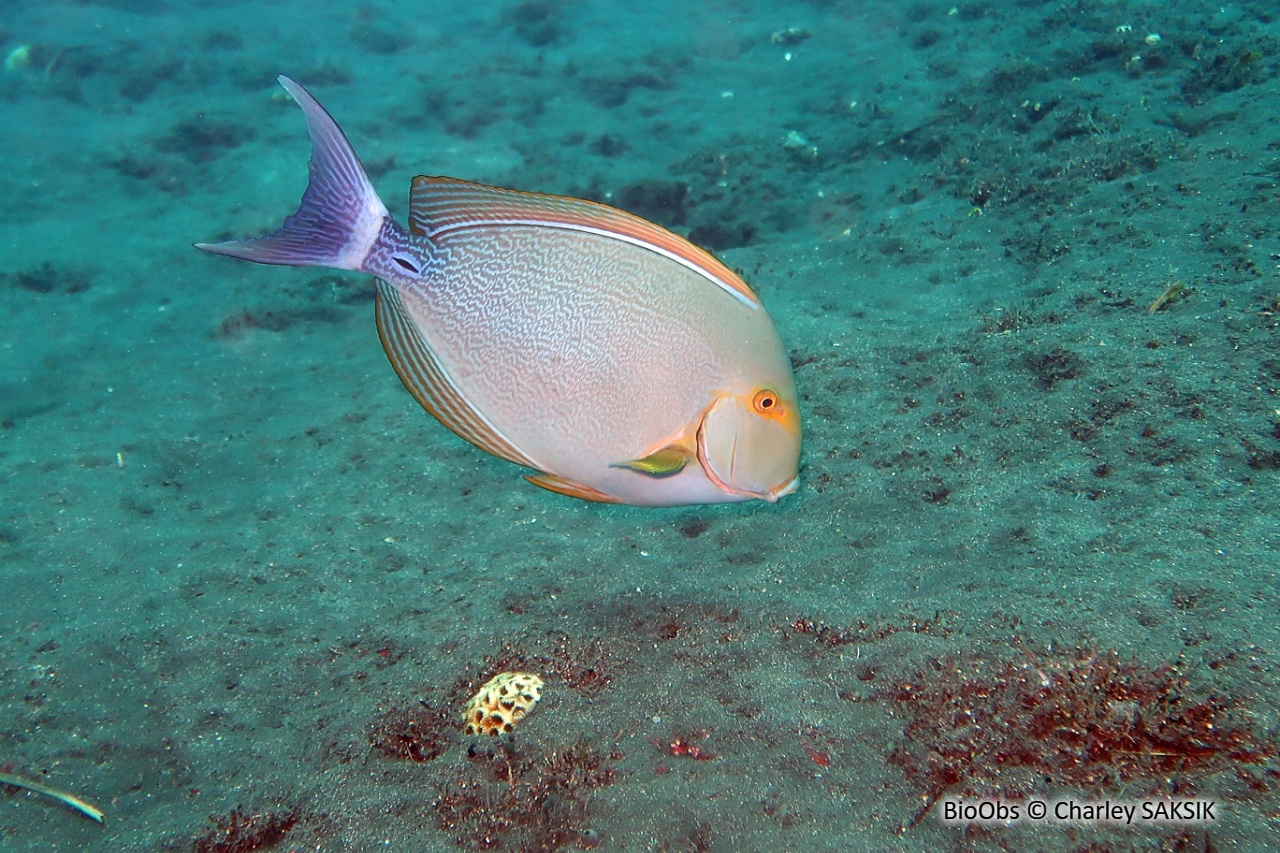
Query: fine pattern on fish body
[[590, 351], [610, 355]]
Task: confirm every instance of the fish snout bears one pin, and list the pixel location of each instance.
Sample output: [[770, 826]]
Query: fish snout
[[747, 455], [787, 488]]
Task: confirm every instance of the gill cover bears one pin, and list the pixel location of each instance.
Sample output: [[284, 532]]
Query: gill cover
[[749, 444]]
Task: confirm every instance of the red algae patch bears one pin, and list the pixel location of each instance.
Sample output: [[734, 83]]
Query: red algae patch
[[244, 831], [979, 726], [508, 798]]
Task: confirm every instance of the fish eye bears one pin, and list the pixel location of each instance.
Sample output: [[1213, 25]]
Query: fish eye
[[765, 401]]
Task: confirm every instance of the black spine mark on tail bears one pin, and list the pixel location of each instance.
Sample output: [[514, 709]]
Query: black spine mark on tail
[[407, 264]]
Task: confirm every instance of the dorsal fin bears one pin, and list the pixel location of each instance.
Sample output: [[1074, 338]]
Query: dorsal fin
[[440, 205]]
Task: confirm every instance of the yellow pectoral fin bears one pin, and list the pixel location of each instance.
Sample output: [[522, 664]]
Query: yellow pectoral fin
[[661, 463], [564, 486]]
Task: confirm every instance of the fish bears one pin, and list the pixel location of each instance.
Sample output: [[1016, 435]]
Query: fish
[[611, 357]]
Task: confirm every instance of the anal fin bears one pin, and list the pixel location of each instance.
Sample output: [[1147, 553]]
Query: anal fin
[[564, 486], [429, 383]]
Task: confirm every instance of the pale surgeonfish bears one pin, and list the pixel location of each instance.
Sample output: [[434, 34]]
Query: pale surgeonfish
[[611, 356]]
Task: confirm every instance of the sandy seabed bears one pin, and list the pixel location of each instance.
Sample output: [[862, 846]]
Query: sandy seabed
[[1024, 257]]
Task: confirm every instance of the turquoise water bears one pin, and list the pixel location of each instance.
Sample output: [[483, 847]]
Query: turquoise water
[[250, 584]]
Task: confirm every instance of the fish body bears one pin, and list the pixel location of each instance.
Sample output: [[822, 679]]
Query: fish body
[[611, 356]]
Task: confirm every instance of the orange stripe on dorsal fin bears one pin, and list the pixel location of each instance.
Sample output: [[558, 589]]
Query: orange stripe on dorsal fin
[[440, 205], [427, 381]]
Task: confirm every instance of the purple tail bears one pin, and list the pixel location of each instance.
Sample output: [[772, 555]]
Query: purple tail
[[340, 216]]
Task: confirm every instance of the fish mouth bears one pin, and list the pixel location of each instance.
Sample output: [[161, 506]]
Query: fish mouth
[[771, 496], [787, 488]]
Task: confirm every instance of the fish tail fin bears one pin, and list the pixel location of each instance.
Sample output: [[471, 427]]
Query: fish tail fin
[[340, 216]]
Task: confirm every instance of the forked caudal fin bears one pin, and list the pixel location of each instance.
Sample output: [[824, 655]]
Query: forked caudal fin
[[340, 216]]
